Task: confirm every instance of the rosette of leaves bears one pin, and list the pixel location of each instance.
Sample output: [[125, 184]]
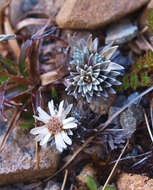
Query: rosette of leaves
[[92, 73]]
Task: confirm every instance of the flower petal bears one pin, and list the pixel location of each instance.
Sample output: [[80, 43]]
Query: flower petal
[[40, 119], [70, 132], [70, 125], [39, 137], [60, 109], [68, 120], [51, 108], [43, 114], [60, 145], [66, 138], [68, 109], [39, 130], [45, 139]]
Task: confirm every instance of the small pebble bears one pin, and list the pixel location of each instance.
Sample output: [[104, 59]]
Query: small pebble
[[121, 32]]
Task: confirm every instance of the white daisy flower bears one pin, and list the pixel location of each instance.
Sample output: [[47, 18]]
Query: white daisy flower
[[56, 125]]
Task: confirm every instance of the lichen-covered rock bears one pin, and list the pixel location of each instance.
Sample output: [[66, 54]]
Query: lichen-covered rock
[[17, 161], [87, 14], [134, 181]]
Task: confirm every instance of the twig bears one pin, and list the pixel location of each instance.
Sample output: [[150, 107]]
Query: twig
[[72, 158], [132, 157], [151, 112], [103, 126], [147, 43], [65, 178], [37, 156], [64, 166], [148, 127], [109, 177]]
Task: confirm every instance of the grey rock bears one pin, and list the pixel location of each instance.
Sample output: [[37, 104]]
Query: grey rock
[[101, 106], [52, 186], [121, 32], [128, 120], [17, 161], [132, 116], [87, 14]]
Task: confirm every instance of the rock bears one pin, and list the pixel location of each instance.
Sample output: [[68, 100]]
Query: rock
[[19, 9], [86, 14], [101, 105], [135, 182], [128, 120], [52, 186], [121, 32], [13, 187], [132, 116], [17, 161], [86, 171]]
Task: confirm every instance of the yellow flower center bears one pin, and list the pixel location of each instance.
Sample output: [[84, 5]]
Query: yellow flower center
[[87, 79], [54, 125]]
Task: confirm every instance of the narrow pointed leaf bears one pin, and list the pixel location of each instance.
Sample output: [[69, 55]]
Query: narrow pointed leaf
[[91, 183]]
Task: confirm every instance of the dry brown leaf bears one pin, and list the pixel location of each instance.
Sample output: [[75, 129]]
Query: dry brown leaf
[[12, 43], [48, 77], [3, 5], [31, 21]]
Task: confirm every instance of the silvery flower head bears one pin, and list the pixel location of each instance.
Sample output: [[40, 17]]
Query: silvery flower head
[[92, 73], [56, 126]]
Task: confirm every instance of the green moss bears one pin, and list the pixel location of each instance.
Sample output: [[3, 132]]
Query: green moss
[[150, 18], [140, 73]]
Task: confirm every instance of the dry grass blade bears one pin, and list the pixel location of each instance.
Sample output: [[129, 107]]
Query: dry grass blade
[[102, 127], [148, 126], [13, 43], [11, 126], [132, 157], [37, 144], [65, 178], [72, 158], [146, 42], [151, 112], [31, 21], [109, 177], [2, 99], [36, 101]]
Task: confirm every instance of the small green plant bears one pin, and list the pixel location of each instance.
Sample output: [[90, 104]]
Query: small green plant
[[140, 74], [92, 185]]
